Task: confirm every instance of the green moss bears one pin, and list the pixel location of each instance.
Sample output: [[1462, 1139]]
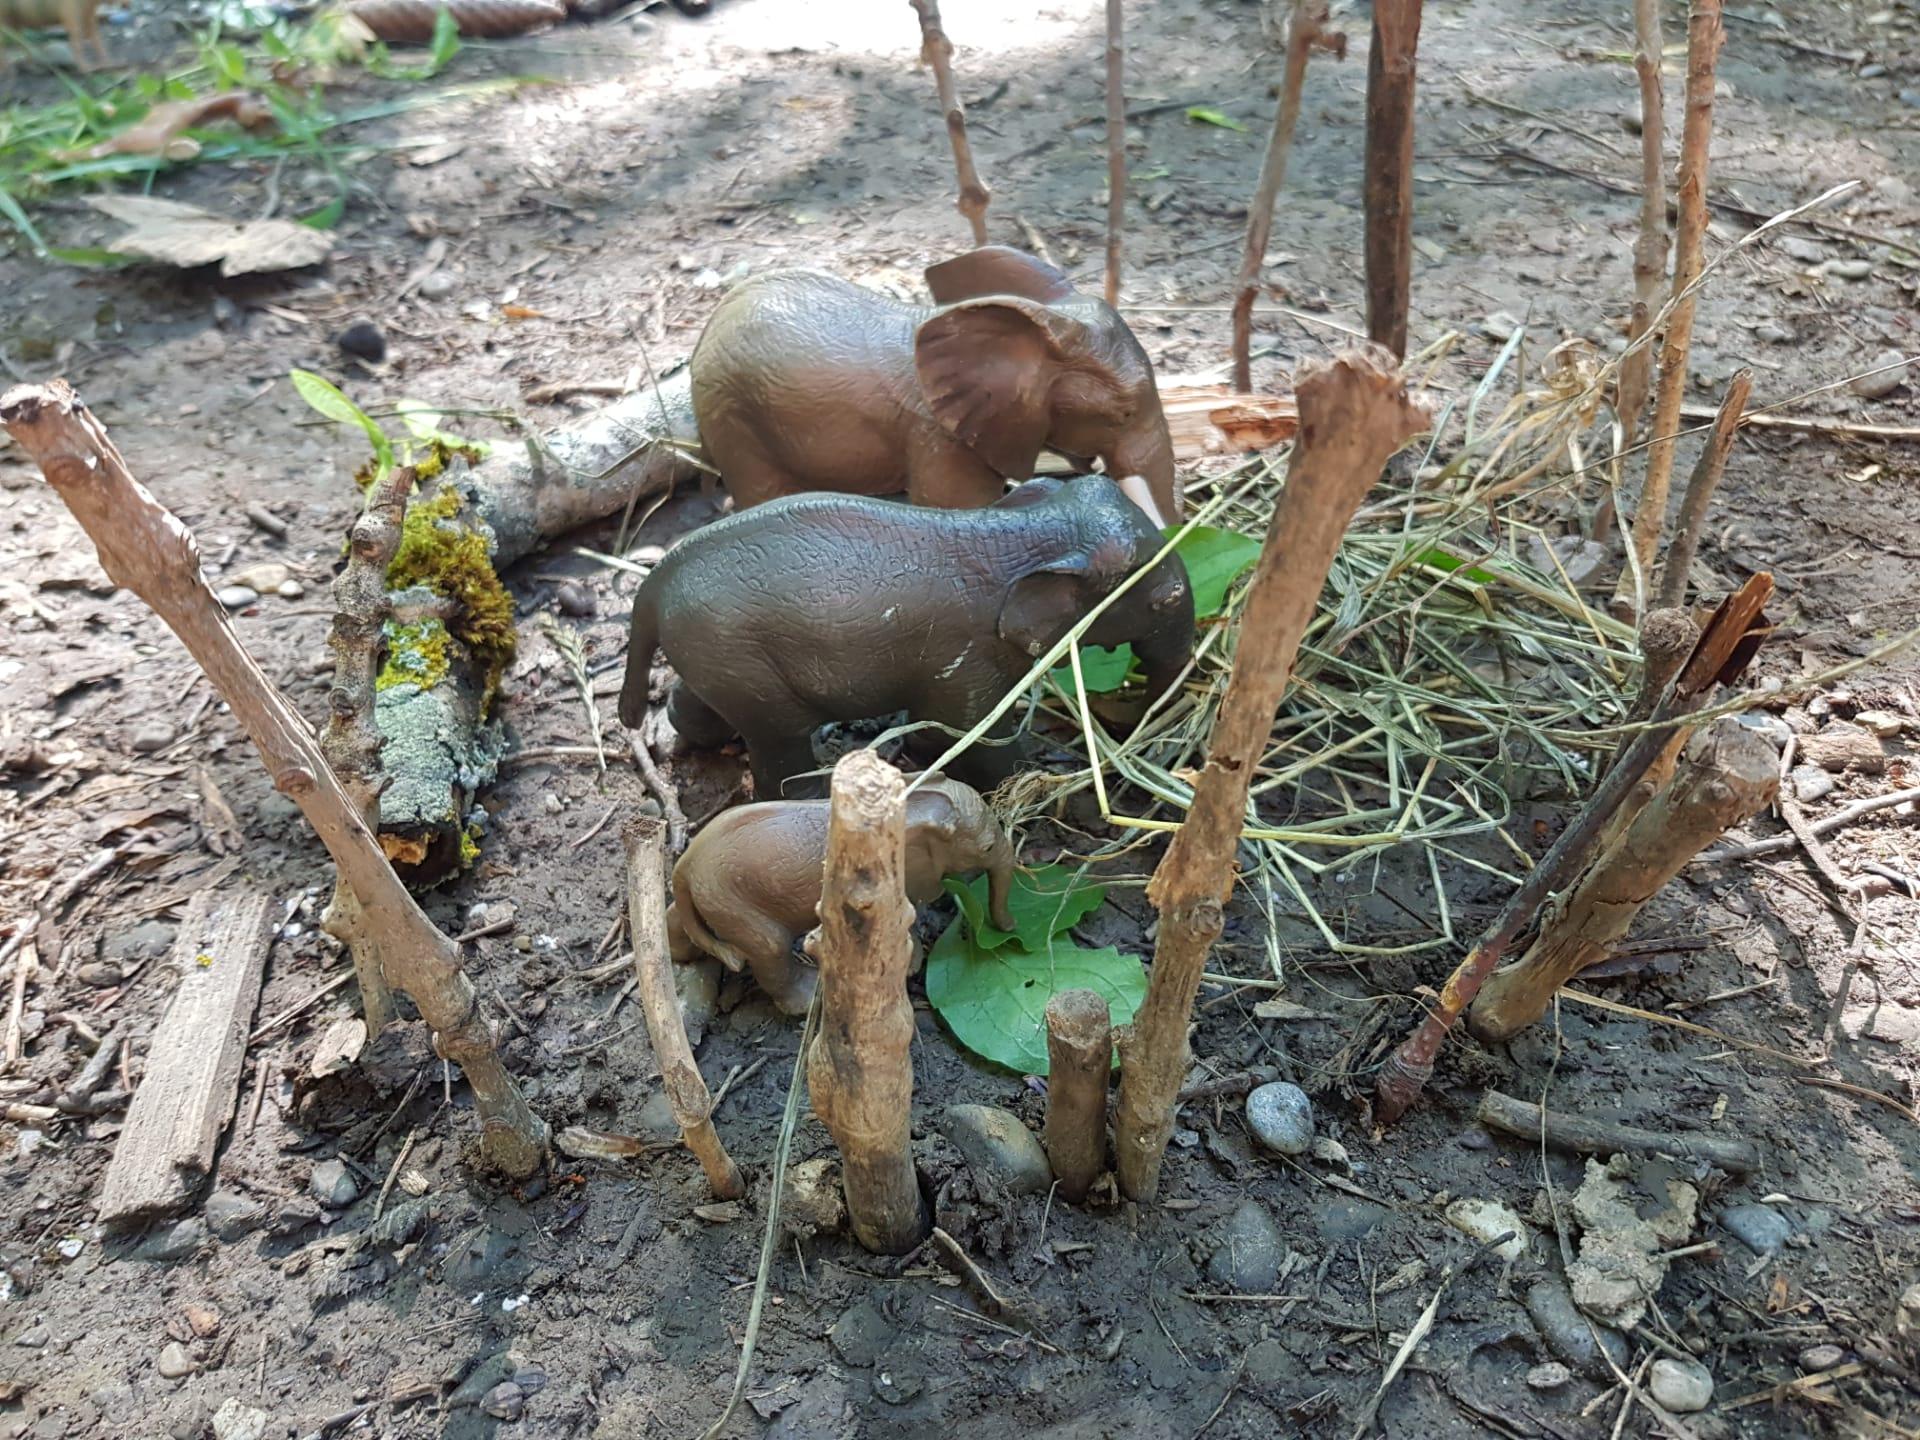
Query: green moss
[[440, 550], [469, 847], [416, 655]]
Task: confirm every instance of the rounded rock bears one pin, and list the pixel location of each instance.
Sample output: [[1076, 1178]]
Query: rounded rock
[[1281, 1117], [994, 1142], [1821, 1357], [1682, 1386], [363, 340], [438, 285], [236, 597], [1886, 373], [1548, 1375], [152, 736], [333, 1185], [575, 599], [290, 590], [174, 1362], [1761, 1228]]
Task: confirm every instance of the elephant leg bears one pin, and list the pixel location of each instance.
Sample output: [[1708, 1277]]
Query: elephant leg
[[767, 947], [986, 765], [776, 756], [695, 721], [948, 476]]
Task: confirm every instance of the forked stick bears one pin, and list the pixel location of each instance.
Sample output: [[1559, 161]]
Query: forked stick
[[936, 51], [687, 1093], [1354, 413], [1305, 31], [144, 548]]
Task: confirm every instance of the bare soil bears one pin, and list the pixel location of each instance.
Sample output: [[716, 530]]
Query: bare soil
[[667, 155]]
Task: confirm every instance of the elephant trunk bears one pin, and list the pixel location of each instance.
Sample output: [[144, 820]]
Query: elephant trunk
[[1163, 653], [1148, 453], [1000, 886]]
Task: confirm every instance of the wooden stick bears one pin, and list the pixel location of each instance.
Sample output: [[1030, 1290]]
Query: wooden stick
[[1650, 246], [1726, 773], [1354, 413], [1705, 479], [1079, 1061], [860, 1067], [144, 548], [1388, 192], [687, 1094], [1780, 844], [1116, 146], [195, 1058], [936, 51], [1305, 30], [1704, 37], [25, 969], [352, 739]]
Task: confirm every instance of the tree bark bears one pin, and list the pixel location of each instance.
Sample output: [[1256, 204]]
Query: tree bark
[[1079, 1062], [1704, 37], [860, 1068], [936, 51], [1725, 774], [1388, 187], [1594, 1135], [1705, 479], [1354, 413], [1650, 246], [1305, 31], [1116, 145], [144, 548], [687, 1093]]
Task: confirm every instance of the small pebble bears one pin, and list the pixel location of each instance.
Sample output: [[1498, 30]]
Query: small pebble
[[1772, 728], [1881, 723], [174, 1362], [1499, 326], [237, 1421], [1761, 1228], [35, 1337], [1872, 70], [1886, 373], [1486, 1219], [363, 340], [236, 597], [1773, 334], [152, 736], [1682, 1386], [1910, 97], [1906, 1315], [575, 599], [505, 1401], [1281, 1117], [552, 803], [1548, 1375], [1811, 783], [101, 974], [1821, 1357], [994, 1142], [333, 1186], [1848, 269], [290, 590], [1249, 1251], [438, 285]]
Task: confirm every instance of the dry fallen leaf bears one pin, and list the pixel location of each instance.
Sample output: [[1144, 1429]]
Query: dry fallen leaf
[[161, 130], [339, 1047], [187, 236], [723, 1213]]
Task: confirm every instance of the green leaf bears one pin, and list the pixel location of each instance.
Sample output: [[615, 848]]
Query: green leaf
[[1045, 902], [995, 1001], [328, 215], [1104, 670], [1441, 560], [423, 423], [1215, 559], [10, 208], [1207, 115], [326, 399]]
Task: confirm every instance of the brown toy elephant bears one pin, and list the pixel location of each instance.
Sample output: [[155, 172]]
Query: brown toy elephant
[[802, 381], [749, 885]]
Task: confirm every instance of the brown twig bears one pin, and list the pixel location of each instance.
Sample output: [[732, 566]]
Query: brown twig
[[1116, 146], [687, 1093], [1355, 412], [936, 51], [1079, 1062], [860, 1068], [662, 791], [25, 968], [1780, 844], [1305, 31], [1388, 192], [1704, 37], [1650, 246], [1705, 479], [144, 548]]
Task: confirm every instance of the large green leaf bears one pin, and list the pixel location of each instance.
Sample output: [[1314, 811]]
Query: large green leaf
[[1045, 902], [1207, 115], [995, 1001], [1215, 559], [325, 398]]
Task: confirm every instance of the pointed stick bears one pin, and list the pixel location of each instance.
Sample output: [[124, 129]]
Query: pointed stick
[[1388, 192], [1116, 148], [1305, 31], [1704, 37], [1354, 413], [936, 51], [1705, 479]]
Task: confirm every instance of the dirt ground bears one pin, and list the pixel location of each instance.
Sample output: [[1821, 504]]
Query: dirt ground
[[667, 156]]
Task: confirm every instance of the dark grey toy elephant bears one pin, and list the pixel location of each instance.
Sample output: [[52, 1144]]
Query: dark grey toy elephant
[[815, 608], [803, 381]]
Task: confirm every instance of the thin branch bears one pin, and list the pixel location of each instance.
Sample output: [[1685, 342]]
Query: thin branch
[[936, 51]]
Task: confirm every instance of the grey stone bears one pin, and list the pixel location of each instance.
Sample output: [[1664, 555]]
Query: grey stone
[[1548, 1375], [495, 1369], [505, 1401], [34, 1337], [1281, 1117], [1566, 1331], [1771, 728], [1682, 1386], [1910, 97], [236, 597], [150, 736], [1906, 1314], [861, 1334], [178, 1241], [333, 1185], [438, 285], [1885, 375], [1773, 334], [575, 599], [192, 1422], [1811, 783], [174, 1362], [145, 941], [235, 1421], [1761, 1228], [232, 1216], [1249, 1250], [1821, 1357], [290, 590], [993, 1142]]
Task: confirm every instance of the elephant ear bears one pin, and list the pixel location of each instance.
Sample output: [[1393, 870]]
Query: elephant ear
[[997, 270], [987, 367], [931, 811], [1044, 605]]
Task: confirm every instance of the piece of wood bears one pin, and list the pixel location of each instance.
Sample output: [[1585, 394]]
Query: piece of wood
[[1387, 191], [1306, 30], [144, 548], [1780, 844], [1079, 1062], [1841, 748], [687, 1094], [1668, 639], [1116, 145], [1704, 38], [1208, 420], [1355, 412], [860, 1066], [192, 1080], [936, 52], [1725, 774], [24, 971], [1707, 470], [1593, 1135], [1650, 245]]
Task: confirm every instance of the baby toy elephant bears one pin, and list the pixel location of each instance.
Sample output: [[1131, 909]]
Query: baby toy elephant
[[816, 608], [802, 381], [749, 885]]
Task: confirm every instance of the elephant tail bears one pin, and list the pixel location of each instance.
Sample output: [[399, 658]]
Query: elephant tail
[[643, 638], [688, 926]]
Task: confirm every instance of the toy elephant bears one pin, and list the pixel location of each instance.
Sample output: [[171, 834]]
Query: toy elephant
[[802, 381], [749, 885], [816, 608]]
